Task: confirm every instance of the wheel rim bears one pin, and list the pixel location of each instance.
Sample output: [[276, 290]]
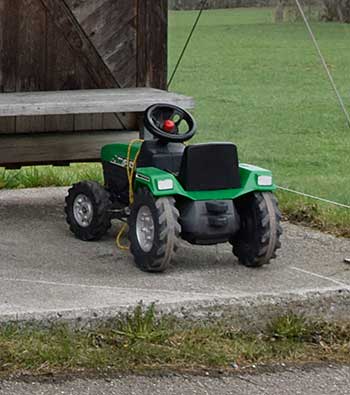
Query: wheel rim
[[83, 210], [145, 228]]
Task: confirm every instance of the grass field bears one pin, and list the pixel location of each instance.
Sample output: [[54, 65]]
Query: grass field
[[260, 85]]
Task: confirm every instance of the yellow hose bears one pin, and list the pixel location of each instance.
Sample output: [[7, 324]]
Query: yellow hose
[[130, 171]]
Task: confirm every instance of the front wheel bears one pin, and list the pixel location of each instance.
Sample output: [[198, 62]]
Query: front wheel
[[258, 239], [154, 231], [87, 210]]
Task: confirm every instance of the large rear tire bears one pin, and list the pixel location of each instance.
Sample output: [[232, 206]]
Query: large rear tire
[[258, 239], [154, 231], [87, 210]]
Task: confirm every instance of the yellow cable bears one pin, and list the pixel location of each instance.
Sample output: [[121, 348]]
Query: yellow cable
[[119, 237], [130, 171]]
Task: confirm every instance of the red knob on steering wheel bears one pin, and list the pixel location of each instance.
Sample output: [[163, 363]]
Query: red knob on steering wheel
[[157, 122]]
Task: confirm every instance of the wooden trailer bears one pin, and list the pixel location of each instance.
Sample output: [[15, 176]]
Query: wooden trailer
[[77, 74]]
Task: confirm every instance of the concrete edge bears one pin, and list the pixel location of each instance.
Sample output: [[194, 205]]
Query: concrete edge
[[331, 304]]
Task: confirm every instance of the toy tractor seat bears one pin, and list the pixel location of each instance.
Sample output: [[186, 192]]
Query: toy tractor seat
[[167, 157], [211, 166], [200, 167]]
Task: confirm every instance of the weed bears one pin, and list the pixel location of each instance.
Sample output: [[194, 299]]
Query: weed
[[141, 324], [289, 327]]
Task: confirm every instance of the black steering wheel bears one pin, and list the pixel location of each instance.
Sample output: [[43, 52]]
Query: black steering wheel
[[170, 123]]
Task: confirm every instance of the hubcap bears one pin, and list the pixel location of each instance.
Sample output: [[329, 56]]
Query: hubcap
[[145, 228], [83, 210]]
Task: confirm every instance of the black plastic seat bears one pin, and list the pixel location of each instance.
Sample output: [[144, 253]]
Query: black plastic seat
[[166, 157], [211, 166]]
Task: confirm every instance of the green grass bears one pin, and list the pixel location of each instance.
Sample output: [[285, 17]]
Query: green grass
[[140, 341], [48, 176], [260, 85]]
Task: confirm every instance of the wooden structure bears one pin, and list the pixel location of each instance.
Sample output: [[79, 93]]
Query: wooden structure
[[80, 57]]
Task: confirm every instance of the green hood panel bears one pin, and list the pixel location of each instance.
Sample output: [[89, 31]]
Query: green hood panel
[[150, 176], [111, 152]]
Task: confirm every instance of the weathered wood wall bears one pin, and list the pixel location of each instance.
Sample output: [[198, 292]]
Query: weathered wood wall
[[80, 44]]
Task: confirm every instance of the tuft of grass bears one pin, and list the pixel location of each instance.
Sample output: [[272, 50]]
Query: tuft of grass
[[143, 340], [142, 324], [289, 327]]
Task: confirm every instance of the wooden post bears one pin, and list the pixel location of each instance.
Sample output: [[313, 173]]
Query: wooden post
[[152, 42]]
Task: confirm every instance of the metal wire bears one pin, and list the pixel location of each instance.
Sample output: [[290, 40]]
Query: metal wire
[[314, 197], [323, 61], [204, 3]]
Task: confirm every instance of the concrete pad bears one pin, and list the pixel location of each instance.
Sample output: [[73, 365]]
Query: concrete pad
[[46, 274]]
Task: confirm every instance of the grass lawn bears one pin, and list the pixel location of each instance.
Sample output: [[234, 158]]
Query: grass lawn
[[260, 85]]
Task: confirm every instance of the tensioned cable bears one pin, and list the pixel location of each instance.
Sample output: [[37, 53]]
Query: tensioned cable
[[204, 3], [314, 197], [323, 61]]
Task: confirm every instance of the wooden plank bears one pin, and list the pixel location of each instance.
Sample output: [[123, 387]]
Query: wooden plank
[[89, 122], [111, 28], [152, 40], [9, 14], [86, 121], [87, 101], [69, 27], [7, 125], [55, 148], [82, 9], [158, 43], [81, 78], [128, 120], [31, 49], [120, 121], [60, 74], [2, 21], [10, 29]]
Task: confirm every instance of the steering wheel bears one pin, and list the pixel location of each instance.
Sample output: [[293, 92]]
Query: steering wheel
[[167, 121]]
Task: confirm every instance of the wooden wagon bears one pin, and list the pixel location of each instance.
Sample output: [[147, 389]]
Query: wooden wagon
[[77, 74]]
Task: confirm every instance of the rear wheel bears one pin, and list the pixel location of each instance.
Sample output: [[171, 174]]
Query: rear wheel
[[154, 231], [87, 210], [259, 236]]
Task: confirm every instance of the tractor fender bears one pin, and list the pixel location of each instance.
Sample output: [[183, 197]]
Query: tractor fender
[[162, 183]]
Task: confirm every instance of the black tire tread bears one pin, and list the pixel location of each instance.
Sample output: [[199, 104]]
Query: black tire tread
[[265, 241], [167, 237], [102, 203]]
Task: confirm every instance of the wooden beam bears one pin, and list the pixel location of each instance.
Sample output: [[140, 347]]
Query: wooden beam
[[87, 101], [22, 149], [152, 43]]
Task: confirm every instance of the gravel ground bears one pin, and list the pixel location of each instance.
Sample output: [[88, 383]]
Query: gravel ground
[[311, 381]]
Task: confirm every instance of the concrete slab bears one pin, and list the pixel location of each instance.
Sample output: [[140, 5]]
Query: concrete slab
[[45, 273]]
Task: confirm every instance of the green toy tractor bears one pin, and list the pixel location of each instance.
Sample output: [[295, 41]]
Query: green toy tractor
[[167, 191]]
